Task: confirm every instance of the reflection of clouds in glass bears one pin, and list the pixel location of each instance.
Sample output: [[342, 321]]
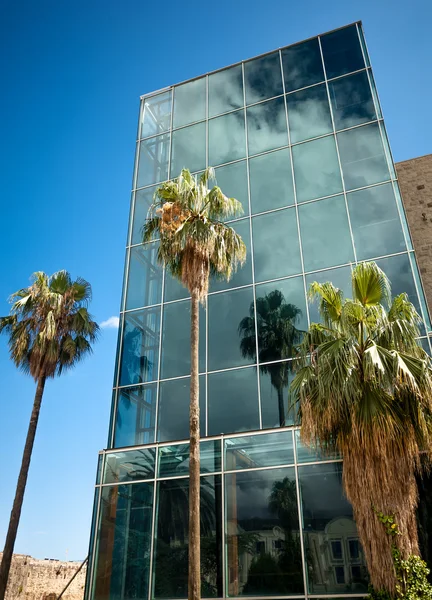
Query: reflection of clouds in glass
[[342, 52], [271, 181], [189, 102], [316, 169], [156, 114], [267, 126], [188, 149], [263, 78], [309, 113], [227, 139], [362, 156], [352, 100], [153, 160], [243, 275], [302, 65], [232, 179], [225, 90]]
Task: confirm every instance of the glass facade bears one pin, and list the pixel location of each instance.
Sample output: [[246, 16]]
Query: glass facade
[[298, 137]]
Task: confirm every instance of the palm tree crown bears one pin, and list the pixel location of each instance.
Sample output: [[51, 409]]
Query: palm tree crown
[[364, 387]]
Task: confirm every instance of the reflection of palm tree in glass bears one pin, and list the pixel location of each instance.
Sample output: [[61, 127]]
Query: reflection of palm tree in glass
[[277, 338]]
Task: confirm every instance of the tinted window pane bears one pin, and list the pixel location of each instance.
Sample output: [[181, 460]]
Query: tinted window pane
[[256, 451], [174, 460], [342, 52], [227, 139], [143, 200], [122, 561], [263, 78], [174, 398], [302, 65], [340, 278], [352, 101], [232, 179], [188, 149], [309, 113], [225, 90], [316, 169], [263, 545], [176, 340], [276, 247], [174, 289], [325, 234], [226, 310], [189, 102], [135, 420], [153, 160], [271, 181], [267, 126], [129, 466], [144, 277], [156, 114], [233, 401], [306, 454], [327, 517], [276, 404], [243, 275], [171, 551], [375, 222], [362, 156], [139, 358]]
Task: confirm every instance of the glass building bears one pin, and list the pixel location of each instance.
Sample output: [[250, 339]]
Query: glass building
[[297, 136]]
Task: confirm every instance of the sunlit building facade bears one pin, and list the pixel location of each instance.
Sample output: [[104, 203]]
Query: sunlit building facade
[[297, 136]]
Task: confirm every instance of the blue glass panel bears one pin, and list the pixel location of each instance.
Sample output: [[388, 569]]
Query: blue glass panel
[[243, 275], [189, 102], [174, 460], [232, 179], [174, 400], [135, 418], [143, 200], [174, 289], [227, 138], [225, 90], [271, 183], [153, 160], [156, 117], [132, 465], [267, 126], [144, 286], [302, 65], [309, 113], [342, 52], [340, 278], [188, 149], [352, 100], [363, 43], [263, 78], [255, 451]]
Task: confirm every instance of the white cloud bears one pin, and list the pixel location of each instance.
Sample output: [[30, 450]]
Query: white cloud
[[111, 323]]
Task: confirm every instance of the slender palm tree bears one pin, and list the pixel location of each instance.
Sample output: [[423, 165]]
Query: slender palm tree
[[50, 331], [277, 339], [364, 386], [194, 243]]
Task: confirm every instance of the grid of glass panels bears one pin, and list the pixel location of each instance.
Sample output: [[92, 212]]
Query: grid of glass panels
[[297, 136], [274, 522]]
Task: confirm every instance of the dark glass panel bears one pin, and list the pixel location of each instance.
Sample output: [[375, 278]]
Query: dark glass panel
[[135, 419], [174, 400], [306, 454], [325, 234], [375, 222], [263, 78], [267, 126], [276, 246], [226, 310], [188, 149], [129, 466], [232, 179], [99, 468], [189, 102], [319, 158], [276, 404], [153, 160], [143, 201], [176, 325], [225, 90], [122, 559], [139, 357], [262, 534], [342, 52], [227, 138], [328, 524], [271, 183], [302, 65], [309, 113], [144, 286], [362, 156], [171, 550], [424, 343], [254, 451], [174, 289], [340, 278], [352, 101], [174, 460], [156, 114], [243, 275], [363, 44], [233, 401]]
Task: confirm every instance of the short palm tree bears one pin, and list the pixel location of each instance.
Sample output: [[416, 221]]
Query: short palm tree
[[50, 331], [194, 243], [277, 338], [364, 386]]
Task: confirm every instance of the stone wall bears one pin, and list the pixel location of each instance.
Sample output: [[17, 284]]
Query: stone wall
[[33, 579], [415, 181]]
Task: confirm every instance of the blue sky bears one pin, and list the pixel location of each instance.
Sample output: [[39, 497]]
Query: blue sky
[[71, 76]]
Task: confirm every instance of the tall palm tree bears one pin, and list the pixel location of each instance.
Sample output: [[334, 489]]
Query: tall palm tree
[[365, 389], [277, 338], [194, 243], [50, 331]]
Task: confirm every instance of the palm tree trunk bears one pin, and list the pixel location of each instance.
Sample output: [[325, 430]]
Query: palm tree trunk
[[280, 395], [194, 591], [20, 489]]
